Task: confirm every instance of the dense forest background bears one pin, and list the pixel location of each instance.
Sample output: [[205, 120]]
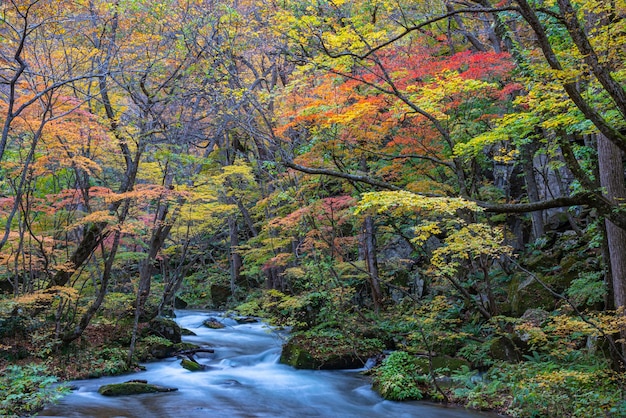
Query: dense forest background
[[441, 178]]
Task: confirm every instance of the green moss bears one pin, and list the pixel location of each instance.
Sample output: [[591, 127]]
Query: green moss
[[329, 349], [192, 366], [298, 357], [213, 324], [131, 388]]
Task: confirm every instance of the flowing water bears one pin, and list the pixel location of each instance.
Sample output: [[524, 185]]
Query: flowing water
[[243, 379]]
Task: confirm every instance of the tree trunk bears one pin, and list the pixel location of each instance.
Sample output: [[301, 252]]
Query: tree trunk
[[612, 181], [85, 319], [159, 233], [527, 153], [369, 248], [235, 257]]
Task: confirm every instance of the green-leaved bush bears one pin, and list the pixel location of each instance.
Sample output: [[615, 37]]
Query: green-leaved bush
[[398, 377], [26, 389]]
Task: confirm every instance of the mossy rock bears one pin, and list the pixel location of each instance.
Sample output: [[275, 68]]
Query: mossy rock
[[180, 303], [185, 346], [156, 350], [132, 388], [220, 295], [298, 357], [165, 328], [329, 352], [213, 324], [187, 332], [526, 293], [503, 348], [246, 320], [192, 366]]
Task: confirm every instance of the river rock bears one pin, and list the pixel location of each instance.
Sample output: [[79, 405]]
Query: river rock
[[220, 295], [166, 328], [179, 303], [213, 323], [246, 320], [329, 353], [132, 388], [192, 366]]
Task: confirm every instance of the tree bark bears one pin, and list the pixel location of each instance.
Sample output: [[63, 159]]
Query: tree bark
[[235, 258], [368, 243], [526, 153], [612, 181]]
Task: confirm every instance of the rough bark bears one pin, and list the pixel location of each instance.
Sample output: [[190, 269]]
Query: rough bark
[[526, 153], [369, 246], [612, 181], [159, 233], [235, 258]]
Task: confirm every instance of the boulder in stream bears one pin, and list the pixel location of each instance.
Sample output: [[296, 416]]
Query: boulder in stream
[[246, 320], [213, 324], [132, 388], [329, 352], [192, 366]]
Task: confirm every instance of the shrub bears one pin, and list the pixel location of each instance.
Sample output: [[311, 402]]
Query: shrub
[[398, 377], [26, 389]]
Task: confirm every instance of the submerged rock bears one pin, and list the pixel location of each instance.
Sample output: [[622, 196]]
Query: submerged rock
[[213, 324], [246, 320], [192, 366], [132, 388]]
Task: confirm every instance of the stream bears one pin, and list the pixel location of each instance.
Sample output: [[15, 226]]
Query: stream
[[244, 379]]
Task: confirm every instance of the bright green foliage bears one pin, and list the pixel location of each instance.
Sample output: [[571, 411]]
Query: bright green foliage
[[107, 362], [26, 389], [587, 289], [398, 377], [470, 242], [407, 203]]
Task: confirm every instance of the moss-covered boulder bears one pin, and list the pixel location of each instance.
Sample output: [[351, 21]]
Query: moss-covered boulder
[[132, 388], [213, 323], [220, 295], [246, 320], [156, 348], [164, 328], [185, 331], [297, 356], [503, 348], [562, 258], [180, 303], [192, 366], [330, 352]]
